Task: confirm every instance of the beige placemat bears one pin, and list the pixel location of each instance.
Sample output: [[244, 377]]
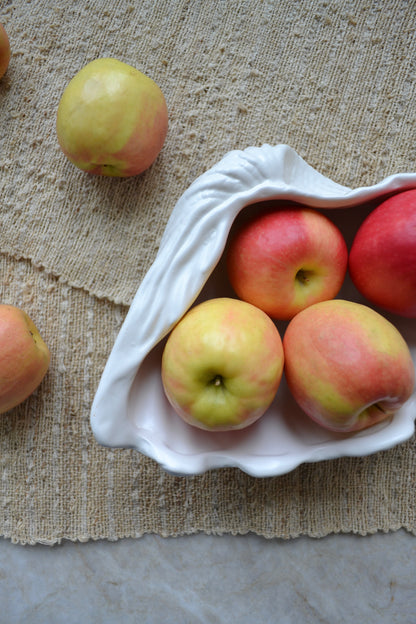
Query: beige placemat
[[336, 81]]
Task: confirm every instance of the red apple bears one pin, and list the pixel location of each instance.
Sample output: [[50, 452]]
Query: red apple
[[346, 365], [24, 357], [4, 51], [222, 365], [382, 260], [285, 259]]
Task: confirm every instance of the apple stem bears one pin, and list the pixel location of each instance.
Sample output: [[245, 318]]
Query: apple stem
[[217, 381], [303, 276]]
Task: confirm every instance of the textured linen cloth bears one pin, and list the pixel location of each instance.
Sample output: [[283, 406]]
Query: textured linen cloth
[[336, 81]]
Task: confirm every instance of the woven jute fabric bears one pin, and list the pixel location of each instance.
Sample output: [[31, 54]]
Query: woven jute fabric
[[336, 81]]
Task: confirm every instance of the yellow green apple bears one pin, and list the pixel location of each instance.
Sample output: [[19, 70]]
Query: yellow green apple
[[112, 119], [24, 357], [222, 364], [346, 365], [283, 259], [382, 261], [4, 51]]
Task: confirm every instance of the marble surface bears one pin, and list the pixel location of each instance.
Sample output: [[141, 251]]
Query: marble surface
[[204, 579]]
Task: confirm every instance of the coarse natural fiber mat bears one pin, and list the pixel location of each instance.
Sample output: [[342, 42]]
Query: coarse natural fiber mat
[[336, 81]]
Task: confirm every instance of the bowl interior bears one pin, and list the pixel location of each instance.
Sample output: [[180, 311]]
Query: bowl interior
[[284, 436]]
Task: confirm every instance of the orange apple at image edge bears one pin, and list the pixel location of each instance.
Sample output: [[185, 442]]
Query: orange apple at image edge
[[24, 357], [4, 51]]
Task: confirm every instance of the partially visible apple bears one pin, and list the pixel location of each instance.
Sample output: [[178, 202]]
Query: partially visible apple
[[285, 259], [346, 365], [382, 260], [24, 357], [112, 119], [222, 364], [4, 51]]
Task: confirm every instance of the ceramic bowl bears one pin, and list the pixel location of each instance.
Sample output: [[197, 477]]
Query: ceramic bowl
[[130, 409]]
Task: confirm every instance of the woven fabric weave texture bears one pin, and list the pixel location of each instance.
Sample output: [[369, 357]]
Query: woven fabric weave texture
[[337, 82]]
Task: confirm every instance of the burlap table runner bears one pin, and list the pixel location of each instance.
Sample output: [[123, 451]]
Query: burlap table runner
[[336, 81]]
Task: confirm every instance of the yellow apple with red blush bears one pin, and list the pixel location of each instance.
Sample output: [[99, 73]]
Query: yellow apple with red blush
[[346, 365], [222, 365], [112, 119]]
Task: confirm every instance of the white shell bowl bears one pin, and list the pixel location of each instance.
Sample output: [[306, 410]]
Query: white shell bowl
[[130, 409]]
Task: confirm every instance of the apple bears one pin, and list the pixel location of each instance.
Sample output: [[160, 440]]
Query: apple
[[222, 364], [346, 365], [283, 259], [24, 357], [112, 120], [382, 261], [4, 51]]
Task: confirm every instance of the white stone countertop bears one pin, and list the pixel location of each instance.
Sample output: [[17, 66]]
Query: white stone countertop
[[204, 579]]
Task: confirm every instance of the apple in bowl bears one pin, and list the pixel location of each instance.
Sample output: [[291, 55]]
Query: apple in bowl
[[24, 357], [382, 260], [112, 119], [346, 365], [222, 364], [283, 259]]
